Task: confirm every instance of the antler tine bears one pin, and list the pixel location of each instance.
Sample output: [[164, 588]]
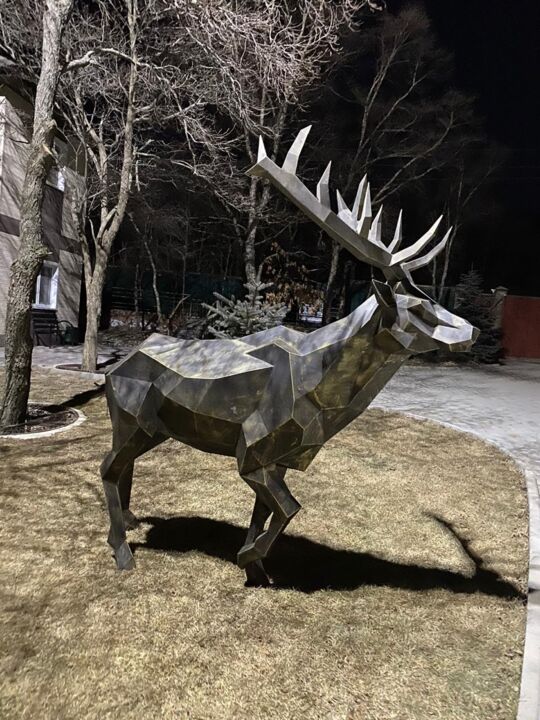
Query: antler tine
[[360, 195], [409, 253], [365, 221], [261, 150], [428, 257], [323, 187], [375, 231], [342, 205], [344, 212], [291, 161], [342, 227], [398, 235]]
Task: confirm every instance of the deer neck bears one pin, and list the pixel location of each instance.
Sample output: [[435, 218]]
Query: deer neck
[[357, 356]]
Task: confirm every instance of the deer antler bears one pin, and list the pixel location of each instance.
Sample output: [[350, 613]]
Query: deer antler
[[354, 229]]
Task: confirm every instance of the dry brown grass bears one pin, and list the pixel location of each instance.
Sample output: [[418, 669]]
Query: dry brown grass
[[409, 560]]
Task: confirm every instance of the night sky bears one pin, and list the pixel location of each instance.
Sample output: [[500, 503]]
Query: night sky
[[496, 44]]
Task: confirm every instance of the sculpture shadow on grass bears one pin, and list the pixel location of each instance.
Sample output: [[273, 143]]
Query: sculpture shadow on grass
[[79, 400], [307, 566]]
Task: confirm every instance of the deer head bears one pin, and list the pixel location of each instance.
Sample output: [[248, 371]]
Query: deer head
[[409, 317]]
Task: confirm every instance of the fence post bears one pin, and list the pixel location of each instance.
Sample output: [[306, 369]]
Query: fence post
[[499, 295]]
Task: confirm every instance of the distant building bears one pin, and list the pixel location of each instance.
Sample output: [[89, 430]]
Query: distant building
[[58, 287]]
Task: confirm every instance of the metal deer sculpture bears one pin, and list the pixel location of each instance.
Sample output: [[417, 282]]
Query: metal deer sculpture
[[272, 399]]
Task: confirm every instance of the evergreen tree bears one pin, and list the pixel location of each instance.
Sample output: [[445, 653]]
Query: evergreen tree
[[471, 306], [235, 318]]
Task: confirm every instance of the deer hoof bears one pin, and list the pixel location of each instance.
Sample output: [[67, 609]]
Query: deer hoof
[[256, 575], [124, 557], [247, 554]]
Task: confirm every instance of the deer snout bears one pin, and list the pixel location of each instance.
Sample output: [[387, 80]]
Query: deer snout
[[458, 339]]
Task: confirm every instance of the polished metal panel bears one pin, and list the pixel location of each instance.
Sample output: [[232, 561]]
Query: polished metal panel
[[272, 399]]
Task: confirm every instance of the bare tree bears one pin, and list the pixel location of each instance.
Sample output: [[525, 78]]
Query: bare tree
[[411, 125], [134, 67], [465, 181], [32, 250], [109, 93], [160, 227], [261, 60], [128, 106], [228, 61], [99, 102], [54, 66]]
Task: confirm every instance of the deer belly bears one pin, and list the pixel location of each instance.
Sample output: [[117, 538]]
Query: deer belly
[[300, 458], [287, 445], [203, 432]]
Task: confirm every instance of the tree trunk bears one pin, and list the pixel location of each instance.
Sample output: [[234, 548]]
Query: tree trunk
[[157, 298], [249, 255], [250, 264], [446, 264], [32, 250], [345, 295], [136, 290], [434, 277], [94, 292], [112, 220], [331, 283]]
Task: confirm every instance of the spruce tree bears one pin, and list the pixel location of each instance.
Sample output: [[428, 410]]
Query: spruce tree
[[230, 317], [471, 306]]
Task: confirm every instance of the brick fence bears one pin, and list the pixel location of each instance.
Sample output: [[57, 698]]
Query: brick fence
[[520, 320]]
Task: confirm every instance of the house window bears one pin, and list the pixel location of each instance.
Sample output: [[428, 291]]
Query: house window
[[46, 286], [56, 176], [56, 179]]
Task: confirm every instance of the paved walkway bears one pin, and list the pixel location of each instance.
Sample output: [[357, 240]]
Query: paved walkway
[[500, 405], [64, 355]]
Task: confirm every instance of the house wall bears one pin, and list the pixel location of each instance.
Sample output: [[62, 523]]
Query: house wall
[[2, 129], [69, 287], [58, 226], [14, 158], [73, 182], [9, 245]]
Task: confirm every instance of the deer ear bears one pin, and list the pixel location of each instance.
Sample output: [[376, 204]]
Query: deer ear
[[386, 300], [384, 294]]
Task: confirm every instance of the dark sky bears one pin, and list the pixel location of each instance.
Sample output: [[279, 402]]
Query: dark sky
[[496, 44]]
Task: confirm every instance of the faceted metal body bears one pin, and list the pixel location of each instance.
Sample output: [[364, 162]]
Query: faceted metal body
[[274, 398]]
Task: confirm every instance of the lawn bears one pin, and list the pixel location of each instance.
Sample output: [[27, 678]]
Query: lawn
[[399, 588]]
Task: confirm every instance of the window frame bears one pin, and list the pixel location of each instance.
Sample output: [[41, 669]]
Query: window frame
[[56, 177], [53, 296]]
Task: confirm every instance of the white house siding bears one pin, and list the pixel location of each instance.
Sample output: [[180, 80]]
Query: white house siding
[[69, 287], [3, 102], [9, 245], [14, 158], [73, 182]]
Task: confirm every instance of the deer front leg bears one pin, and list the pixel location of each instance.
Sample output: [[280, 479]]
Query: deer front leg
[[255, 572], [272, 492], [113, 468], [124, 487], [117, 476]]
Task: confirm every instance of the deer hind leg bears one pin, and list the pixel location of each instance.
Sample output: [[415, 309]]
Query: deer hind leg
[[124, 488], [117, 476], [273, 496]]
